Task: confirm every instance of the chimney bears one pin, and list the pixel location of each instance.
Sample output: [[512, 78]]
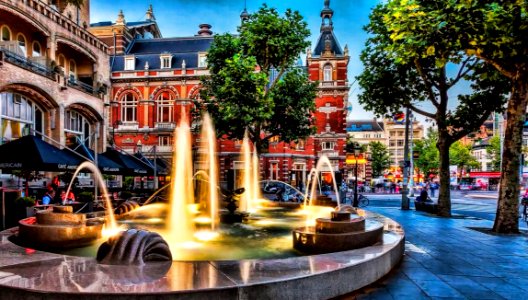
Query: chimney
[[205, 30]]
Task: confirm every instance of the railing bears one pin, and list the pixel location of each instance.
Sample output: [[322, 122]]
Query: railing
[[81, 86], [49, 12], [162, 126], [27, 64]]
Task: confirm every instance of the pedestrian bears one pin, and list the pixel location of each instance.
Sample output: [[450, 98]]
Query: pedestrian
[[433, 187], [48, 197]]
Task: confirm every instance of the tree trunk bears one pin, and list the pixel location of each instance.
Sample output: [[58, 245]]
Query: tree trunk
[[444, 194], [506, 220]]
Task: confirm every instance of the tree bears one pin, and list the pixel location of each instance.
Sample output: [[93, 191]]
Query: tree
[[460, 156], [380, 158], [493, 152], [494, 32], [241, 93], [427, 161], [406, 68]]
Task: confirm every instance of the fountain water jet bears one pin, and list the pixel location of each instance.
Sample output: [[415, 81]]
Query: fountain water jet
[[111, 227]]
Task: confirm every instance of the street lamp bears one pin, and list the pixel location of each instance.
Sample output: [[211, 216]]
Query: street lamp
[[357, 150], [114, 125]]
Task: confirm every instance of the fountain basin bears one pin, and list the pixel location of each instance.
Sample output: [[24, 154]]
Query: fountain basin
[[337, 236], [324, 276]]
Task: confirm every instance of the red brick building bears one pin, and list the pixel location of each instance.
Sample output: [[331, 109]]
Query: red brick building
[[154, 80]]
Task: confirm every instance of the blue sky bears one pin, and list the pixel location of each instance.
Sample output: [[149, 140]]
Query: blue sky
[[177, 18]]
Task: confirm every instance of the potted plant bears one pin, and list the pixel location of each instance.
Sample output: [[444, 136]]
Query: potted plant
[[25, 207]]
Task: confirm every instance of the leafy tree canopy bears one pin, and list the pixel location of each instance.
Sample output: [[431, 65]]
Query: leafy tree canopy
[[241, 92], [380, 158], [460, 155], [428, 157]]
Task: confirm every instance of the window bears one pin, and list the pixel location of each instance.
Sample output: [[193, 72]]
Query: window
[[6, 33], [72, 69], [299, 145], [165, 140], [202, 60], [327, 73], [392, 143], [62, 62], [327, 145], [400, 143], [165, 107], [130, 63], [22, 43], [128, 108], [73, 122], [36, 49], [166, 61]]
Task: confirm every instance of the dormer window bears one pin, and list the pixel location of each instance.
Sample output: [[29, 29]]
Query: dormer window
[[166, 61], [130, 63], [202, 60], [327, 145]]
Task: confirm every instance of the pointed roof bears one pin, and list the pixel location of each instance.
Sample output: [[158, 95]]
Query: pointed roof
[[327, 43]]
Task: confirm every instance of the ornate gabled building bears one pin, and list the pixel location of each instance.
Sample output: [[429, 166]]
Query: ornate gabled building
[[327, 64], [154, 80], [53, 73]]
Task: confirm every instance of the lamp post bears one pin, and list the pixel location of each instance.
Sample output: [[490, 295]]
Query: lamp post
[[357, 150]]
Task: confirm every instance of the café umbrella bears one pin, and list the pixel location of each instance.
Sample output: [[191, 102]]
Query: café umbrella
[[31, 153]]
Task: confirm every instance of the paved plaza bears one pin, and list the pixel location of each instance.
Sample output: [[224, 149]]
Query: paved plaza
[[446, 259]]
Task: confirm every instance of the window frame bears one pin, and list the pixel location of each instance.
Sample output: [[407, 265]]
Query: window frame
[[129, 108]]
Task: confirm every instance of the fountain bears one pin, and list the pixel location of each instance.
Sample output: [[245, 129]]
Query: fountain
[[59, 228], [341, 232], [211, 258]]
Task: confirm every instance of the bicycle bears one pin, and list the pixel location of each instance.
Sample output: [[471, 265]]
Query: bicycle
[[362, 200]]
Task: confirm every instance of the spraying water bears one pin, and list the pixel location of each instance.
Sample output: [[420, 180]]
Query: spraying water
[[111, 224]]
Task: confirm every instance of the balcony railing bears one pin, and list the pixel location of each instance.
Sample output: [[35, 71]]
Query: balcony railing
[[27, 64], [81, 86], [48, 11], [165, 126]]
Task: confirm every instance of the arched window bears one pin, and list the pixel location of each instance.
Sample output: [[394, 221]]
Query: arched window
[[165, 107], [75, 125], [18, 114], [36, 49], [5, 33], [72, 74], [22, 43], [327, 73], [128, 108]]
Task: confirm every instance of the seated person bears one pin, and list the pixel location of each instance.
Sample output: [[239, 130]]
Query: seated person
[[423, 196], [48, 197]]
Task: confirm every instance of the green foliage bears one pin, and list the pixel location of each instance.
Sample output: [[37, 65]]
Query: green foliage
[[460, 155], [25, 201], [85, 196], [493, 151], [380, 158], [239, 94], [428, 159], [413, 59]]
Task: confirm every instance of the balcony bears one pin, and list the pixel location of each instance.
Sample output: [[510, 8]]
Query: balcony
[[159, 149], [165, 126], [25, 63], [30, 6], [81, 86]]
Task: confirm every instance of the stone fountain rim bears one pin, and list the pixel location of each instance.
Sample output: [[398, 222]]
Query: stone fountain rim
[[390, 252]]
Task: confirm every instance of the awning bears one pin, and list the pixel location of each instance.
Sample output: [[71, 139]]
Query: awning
[[161, 166], [131, 165], [32, 153], [105, 164]]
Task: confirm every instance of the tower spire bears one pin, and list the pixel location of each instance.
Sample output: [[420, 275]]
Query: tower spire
[[244, 16], [326, 15]]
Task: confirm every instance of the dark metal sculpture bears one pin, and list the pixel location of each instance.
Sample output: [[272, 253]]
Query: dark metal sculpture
[[134, 247], [126, 207]]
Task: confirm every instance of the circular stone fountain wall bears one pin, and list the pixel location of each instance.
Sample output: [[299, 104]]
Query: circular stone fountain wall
[[43, 275]]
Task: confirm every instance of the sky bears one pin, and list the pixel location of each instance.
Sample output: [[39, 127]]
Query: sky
[[178, 18]]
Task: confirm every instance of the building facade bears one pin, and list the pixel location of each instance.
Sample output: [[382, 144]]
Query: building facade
[[155, 79], [54, 74]]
